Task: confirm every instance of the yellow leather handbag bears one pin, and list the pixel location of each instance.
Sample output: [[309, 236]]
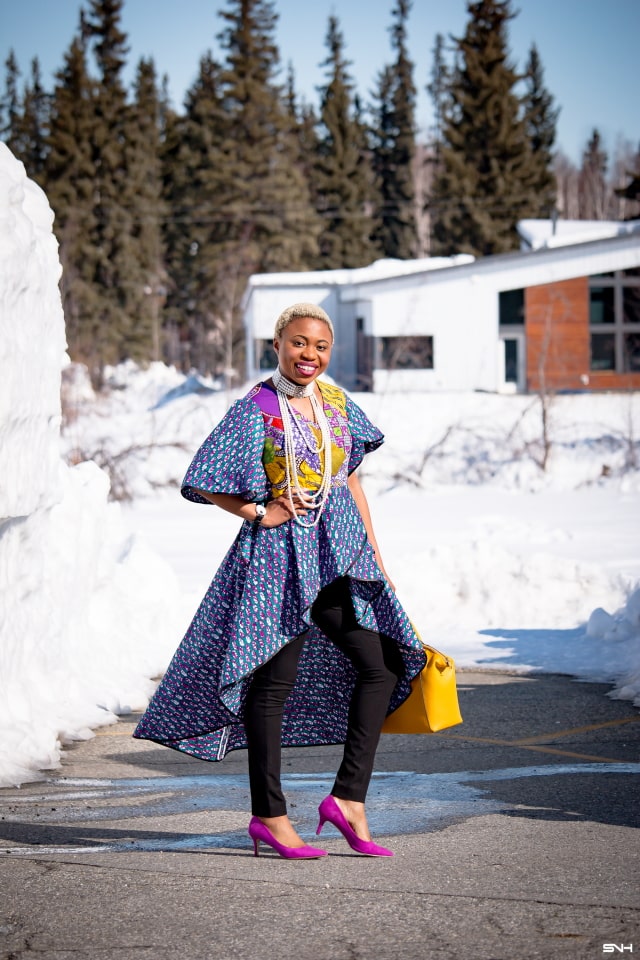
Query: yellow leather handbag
[[432, 704]]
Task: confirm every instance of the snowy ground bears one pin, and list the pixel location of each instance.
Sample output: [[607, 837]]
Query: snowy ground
[[497, 561]]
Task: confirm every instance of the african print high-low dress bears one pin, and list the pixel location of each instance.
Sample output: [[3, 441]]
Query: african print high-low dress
[[262, 593]]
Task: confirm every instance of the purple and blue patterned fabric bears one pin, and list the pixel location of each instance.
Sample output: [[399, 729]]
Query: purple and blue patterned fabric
[[262, 593]]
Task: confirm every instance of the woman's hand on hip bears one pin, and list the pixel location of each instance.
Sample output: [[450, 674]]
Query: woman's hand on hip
[[279, 511]]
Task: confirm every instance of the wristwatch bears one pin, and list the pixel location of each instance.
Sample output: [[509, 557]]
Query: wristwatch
[[261, 512]]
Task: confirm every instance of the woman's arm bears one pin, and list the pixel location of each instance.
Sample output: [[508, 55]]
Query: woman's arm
[[278, 511], [363, 507]]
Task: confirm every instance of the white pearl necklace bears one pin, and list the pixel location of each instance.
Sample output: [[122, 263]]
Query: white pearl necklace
[[284, 385], [310, 501]]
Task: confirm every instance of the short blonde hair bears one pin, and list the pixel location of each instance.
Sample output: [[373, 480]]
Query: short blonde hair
[[296, 310]]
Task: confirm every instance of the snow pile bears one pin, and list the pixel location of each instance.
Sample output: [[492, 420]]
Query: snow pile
[[620, 644], [85, 610], [142, 430]]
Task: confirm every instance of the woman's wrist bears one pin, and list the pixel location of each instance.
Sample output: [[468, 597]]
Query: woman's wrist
[[265, 514]]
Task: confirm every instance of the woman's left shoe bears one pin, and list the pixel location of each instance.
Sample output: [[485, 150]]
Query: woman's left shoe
[[331, 812]]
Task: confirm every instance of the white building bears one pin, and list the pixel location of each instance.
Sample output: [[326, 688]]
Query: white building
[[566, 308]]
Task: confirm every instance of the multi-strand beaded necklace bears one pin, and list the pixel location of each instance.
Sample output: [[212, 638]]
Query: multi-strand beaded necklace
[[309, 501]]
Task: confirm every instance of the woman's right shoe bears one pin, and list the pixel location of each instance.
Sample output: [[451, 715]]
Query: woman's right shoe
[[259, 832], [330, 811]]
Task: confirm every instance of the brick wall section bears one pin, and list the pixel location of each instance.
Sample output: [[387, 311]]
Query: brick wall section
[[557, 335], [607, 380]]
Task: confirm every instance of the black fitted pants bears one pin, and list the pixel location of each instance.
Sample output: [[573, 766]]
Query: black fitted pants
[[378, 665]]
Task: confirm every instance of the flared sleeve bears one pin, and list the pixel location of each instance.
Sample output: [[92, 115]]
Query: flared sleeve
[[230, 459], [364, 436]]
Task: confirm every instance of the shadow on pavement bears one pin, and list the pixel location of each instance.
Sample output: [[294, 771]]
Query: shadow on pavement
[[609, 798]]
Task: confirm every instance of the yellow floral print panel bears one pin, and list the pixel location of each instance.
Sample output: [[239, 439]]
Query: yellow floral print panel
[[309, 479], [334, 396]]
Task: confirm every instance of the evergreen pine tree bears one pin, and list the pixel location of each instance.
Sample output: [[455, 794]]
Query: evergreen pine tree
[[193, 168], [99, 173], [10, 103], [116, 274], [486, 181], [164, 106], [290, 98], [30, 126], [266, 182], [144, 187], [429, 155], [70, 176], [592, 184], [438, 89], [540, 118], [342, 173], [394, 147], [304, 124], [258, 214]]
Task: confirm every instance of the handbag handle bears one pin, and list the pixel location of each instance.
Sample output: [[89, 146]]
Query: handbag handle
[[427, 646]]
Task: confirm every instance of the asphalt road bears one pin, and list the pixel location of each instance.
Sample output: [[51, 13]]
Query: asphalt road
[[515, 837]]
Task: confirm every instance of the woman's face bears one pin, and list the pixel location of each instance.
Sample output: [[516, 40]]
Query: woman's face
[[304, 349]]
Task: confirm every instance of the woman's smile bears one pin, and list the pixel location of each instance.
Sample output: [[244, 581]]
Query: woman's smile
[[306, 369]]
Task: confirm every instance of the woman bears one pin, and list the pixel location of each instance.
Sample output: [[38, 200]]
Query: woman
[[300, 639]]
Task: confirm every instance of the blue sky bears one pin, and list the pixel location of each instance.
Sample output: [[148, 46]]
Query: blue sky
[[589, 48]]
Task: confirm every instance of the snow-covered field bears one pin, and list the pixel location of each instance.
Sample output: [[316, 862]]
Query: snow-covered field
[[498, 561]]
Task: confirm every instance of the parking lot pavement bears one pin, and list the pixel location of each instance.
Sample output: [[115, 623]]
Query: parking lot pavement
[[515, 837]]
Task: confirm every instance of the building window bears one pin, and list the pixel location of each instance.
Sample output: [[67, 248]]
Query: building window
[[266, 357], [511, 360], [601, 308], [631, 352], [603, 351], [511, 307], [406, 353], [631, 305], [614, 318]]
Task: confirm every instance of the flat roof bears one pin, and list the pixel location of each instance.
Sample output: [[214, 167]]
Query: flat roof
[[445, 269]]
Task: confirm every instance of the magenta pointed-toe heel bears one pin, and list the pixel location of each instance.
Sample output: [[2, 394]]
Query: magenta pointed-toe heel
[[330, 812], [259, 832]]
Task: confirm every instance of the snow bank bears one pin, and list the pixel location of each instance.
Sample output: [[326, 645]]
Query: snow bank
[[620, 647], [86, 611]]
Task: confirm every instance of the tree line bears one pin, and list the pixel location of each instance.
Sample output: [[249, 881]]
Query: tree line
[[162, 214]]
